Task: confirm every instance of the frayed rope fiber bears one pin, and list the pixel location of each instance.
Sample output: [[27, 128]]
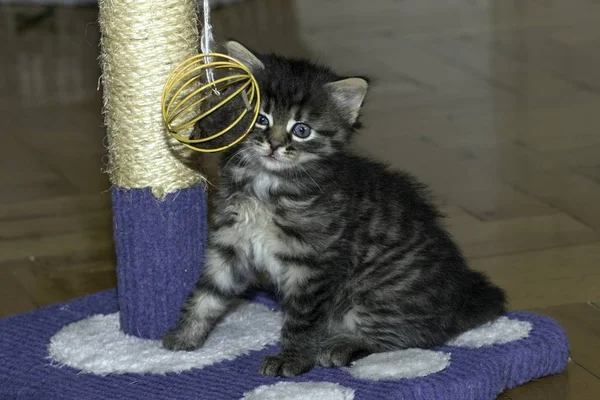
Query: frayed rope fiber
[[142, 41]]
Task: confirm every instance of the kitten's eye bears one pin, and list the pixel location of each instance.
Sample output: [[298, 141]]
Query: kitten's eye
[[262, 121], [301, 130]]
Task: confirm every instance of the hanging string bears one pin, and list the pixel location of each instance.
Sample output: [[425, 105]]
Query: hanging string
[[206, 42]]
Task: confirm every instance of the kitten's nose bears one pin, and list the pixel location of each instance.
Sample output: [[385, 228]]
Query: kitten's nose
[[274, 144]]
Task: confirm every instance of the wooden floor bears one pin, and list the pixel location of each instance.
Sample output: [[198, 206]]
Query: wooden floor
[[495, 104]]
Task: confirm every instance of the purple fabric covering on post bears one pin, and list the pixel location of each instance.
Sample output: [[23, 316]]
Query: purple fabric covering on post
[[159, 245], [473, 374]]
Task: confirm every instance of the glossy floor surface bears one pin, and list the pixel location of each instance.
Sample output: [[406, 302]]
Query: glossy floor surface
[[494, 104]]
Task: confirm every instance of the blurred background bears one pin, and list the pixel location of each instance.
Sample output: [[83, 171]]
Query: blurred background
[[494, 104]]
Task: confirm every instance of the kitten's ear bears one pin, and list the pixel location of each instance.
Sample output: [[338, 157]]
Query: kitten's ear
[[241, 53], [349, 94]]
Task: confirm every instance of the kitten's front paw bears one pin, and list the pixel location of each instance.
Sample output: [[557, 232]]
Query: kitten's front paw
[[285, 365], [182, 338]]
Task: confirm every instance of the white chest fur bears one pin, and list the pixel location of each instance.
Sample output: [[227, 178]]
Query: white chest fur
[[263, 184], [257, 238], [254, 234]]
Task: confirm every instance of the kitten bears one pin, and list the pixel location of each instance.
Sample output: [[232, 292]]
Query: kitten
[[357, 252]]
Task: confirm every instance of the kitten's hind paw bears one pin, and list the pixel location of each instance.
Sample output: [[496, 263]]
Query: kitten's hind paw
[[181, 338], [285, 365], [340, 355]]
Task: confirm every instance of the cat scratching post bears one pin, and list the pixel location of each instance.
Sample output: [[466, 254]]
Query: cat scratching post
[[159, 203]]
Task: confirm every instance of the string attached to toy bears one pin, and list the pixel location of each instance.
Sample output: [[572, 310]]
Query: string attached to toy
[[186, 100], [206, 42]]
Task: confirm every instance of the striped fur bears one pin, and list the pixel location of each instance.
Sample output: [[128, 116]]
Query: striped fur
[[358, 252]]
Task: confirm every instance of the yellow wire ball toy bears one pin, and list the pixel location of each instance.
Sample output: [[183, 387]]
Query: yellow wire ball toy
[[193, 98], [185, 93]]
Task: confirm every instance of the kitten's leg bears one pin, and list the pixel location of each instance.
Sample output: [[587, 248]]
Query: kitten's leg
[[297, 351], [341, 350], [223, 278], [301, 331]]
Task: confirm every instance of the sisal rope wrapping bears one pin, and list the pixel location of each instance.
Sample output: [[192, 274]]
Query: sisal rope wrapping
[[142, 41]]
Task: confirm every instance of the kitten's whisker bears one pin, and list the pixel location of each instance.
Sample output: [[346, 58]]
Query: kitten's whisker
[[311, 178], [236, 154], [246, 157]]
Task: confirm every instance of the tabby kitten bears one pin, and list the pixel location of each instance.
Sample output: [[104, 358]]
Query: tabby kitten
[[357, 252]]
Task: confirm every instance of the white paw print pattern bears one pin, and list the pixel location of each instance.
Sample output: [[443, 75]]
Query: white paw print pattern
[[97, 345], [301, 391], [400, 364], [501, 331]]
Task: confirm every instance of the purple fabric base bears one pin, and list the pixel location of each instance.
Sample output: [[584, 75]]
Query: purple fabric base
[[477, 374], [160, 247]]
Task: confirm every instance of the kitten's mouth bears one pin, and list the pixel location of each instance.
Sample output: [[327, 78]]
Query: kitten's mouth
[[272, 157], [273, 160]]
